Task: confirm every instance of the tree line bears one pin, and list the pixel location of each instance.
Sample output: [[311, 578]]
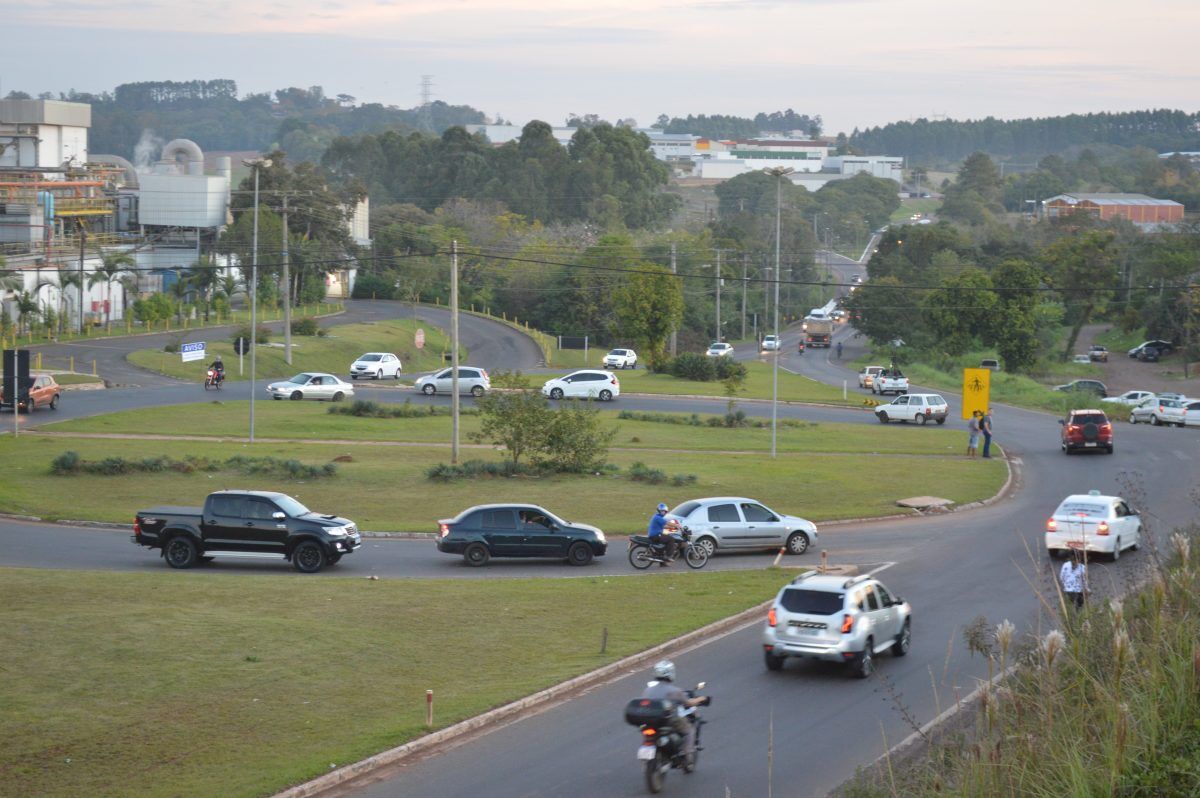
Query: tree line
[[720, 126], [926, 141]]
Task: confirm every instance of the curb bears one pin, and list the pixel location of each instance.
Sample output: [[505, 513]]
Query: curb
[[537, 702]]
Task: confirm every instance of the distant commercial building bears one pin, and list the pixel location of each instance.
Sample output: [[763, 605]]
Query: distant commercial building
[[1137, 208]]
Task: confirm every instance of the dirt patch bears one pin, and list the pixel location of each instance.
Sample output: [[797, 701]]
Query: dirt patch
[[1123, 373]]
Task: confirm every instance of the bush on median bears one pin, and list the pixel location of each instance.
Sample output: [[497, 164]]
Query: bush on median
[[71, 464]]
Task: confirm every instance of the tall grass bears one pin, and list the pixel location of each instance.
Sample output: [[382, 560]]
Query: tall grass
[[1107, 704]]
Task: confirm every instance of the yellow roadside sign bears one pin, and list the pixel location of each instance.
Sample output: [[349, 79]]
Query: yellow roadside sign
[[976, 391]]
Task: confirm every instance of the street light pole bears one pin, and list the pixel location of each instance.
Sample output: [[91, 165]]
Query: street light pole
[[778, 172], [718, 338], [256, 164]]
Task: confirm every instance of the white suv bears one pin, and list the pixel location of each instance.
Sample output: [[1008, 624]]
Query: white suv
[[770, 343], [621, 359], [837, 619], [584, 384]]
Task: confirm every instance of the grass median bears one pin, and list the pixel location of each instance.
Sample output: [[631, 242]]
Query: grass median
[[202, 685], [384, 488], [333, 353], [792, 387]]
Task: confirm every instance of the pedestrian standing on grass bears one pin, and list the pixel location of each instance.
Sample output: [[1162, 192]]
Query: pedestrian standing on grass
[[973, 434], [1074, 580], [985, 426]]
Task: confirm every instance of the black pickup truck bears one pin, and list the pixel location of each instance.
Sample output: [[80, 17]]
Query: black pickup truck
[[246, 523]]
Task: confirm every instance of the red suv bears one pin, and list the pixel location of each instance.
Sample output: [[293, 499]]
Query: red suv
[[1086, 429]]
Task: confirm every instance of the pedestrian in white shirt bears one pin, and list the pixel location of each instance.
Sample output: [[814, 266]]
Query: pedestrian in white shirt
[[1074, 580]]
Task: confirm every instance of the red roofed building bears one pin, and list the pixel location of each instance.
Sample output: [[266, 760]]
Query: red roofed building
[[1137, 208]]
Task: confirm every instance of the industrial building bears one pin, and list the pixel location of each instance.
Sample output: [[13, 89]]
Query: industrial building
[[1137, 208]]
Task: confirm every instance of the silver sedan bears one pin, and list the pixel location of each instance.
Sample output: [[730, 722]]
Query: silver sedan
[[311, 385]]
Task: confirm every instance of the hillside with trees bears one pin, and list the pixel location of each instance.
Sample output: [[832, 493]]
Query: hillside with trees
[[927, 141], [719, 126]]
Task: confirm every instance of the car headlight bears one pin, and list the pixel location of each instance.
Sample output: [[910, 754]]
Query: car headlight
[[336, 531], [600, 536]]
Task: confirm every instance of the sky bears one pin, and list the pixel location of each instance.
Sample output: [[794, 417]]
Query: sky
[[857, 63]]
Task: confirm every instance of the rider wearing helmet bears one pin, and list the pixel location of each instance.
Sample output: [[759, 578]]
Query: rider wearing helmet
[[663, 688], [654, 531], [218, 366]]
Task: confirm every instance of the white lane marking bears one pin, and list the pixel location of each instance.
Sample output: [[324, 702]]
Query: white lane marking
[[883, 567]]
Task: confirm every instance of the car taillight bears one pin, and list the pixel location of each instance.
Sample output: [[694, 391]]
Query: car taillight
[[1102, 529], [771, 617], [484, 373], [1072, 428], [443, 530], [1051, 525], [137, 527], [1106, 427], [847, 624], [613, 379]]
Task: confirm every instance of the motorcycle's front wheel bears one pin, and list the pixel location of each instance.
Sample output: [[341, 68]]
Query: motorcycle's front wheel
[[655, 773], [639, 558], [695, 557]]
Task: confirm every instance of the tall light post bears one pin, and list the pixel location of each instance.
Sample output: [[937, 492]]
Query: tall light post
[[779, 173], [256, 164]]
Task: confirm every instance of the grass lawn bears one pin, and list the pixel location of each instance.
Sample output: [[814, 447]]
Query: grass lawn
[[384, 488], [1118, 342], [192, 684], [311, 420], [333, 353], [792, 387]]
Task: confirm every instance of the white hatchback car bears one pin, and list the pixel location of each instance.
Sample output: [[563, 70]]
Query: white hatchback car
[[474, 381], [377, 365], [1159, 411], [311, 385], [1094, 523], [584, 384], [770, 343], [719, 349]]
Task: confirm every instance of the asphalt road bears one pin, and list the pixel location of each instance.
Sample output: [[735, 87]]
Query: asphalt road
[[953, 568]]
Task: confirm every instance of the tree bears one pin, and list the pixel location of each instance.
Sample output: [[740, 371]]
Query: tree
[[647, 307], [112, 266], [27, 311], [1014, 331], [1084, 270], [962, 311], [518, 420], [575, 441], [202, 276]]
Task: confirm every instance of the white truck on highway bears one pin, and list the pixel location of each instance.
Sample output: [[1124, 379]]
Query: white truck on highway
[[889, 381], [818, 332]]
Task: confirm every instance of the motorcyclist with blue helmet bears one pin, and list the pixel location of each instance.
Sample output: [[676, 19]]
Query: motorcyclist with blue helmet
[[655, 531]]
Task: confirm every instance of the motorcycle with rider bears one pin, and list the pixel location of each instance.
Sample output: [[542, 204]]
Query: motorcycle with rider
[[666, 716]]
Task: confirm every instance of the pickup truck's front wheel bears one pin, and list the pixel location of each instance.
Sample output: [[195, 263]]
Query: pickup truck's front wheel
[[308, 557], [180, 552]]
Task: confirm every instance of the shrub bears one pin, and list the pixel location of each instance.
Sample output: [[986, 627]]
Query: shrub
[[264, 333], [305, 326], [71, 463], [575, 441], [693, 366], [367, 409], [373, 286], [444, 472], [65, 463], [640, 472], [727, 368]]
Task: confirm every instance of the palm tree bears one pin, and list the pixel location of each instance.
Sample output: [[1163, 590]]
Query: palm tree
[[230, 285], [180, 290], [8, 282], [112, 266], [202, 275], [27, 309], [67, 277], [129, 285]]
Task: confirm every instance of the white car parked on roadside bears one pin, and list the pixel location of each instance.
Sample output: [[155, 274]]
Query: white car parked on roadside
[[1094, 523], [1128, 399], [377, 365], [584, 384]]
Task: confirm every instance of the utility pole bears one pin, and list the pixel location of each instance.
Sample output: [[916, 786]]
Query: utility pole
[[743, 296], [257, 165], [287, 291], [674, 331], [82, 245], [718, 338], [454, 353], [779, 173]]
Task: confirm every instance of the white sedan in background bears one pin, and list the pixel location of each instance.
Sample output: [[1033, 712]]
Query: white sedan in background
[[770, 343], [311, 385], [1093, 523], [719, 349], [1129, 398], [377, 365]]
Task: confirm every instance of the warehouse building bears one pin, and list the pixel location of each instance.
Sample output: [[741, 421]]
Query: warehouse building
[[1137, 208]]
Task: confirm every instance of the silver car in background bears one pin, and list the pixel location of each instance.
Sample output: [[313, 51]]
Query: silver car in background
[[474, 381], [735, 522]]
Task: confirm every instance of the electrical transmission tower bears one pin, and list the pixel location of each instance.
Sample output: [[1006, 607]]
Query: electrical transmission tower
[[425, 116]]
